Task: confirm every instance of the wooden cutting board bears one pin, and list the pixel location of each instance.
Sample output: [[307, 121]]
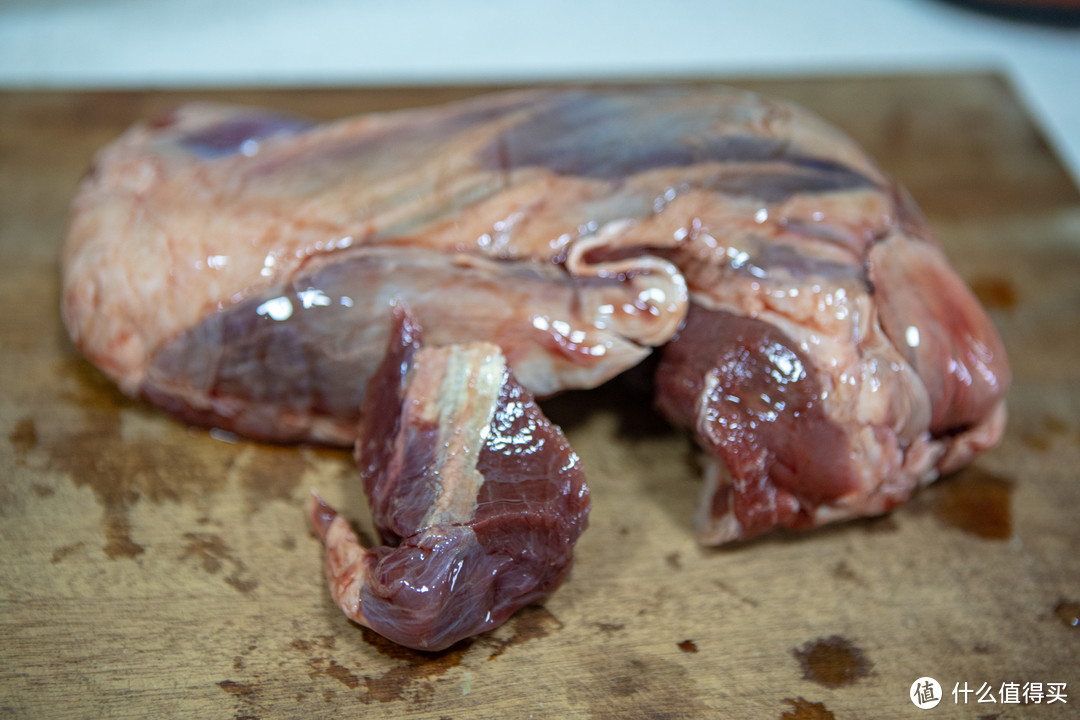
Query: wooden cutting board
[[152, 570]]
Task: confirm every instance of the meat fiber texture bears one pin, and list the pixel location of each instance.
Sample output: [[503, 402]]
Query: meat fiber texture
[[478, 498], [236, 266]]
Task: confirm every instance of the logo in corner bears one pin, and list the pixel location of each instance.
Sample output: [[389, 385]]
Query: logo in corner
[[925, 693]]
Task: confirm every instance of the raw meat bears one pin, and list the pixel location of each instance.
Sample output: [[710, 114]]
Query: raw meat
[[478, 498], [289, 240], [831, 363], [236, 267]]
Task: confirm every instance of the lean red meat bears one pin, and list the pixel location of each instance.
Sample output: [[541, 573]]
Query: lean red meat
[[478, 498]]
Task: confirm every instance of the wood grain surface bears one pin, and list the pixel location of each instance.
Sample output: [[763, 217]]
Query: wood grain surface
[[154, 570]]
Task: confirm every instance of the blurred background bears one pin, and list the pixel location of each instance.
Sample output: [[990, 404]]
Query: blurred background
[[1035, 44]]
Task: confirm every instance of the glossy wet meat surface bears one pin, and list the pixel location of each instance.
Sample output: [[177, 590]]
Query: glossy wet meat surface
[[755, 400], [477, 497], [300, 354], [237, 267], [292, 239], [831, 363]]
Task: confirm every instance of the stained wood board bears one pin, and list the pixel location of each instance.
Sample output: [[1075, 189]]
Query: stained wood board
[[155, 570]]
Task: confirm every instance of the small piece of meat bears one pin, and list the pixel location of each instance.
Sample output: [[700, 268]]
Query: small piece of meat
[[478, 498]]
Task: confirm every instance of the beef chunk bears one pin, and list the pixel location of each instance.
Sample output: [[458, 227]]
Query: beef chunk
[[478, 498]]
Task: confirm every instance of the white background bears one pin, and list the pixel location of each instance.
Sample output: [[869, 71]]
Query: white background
[[163, 43]]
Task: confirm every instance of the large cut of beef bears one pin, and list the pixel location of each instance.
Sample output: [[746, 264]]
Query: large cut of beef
[[237, 267], [478, 498]]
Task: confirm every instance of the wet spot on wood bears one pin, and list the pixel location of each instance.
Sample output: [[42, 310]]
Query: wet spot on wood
[[342, 674], [326, 642], [975, 501], [1068, 612], [23, 439], [673, 560], [803, 709], [62, 552], [531, 622], [1038, 442], [214, 556], [1043, 438], [843, 571], [623, 686], [735, 593], [611, 686], [240, 584], [168, 465], [994, 293], [609, 628], [235, 688], [410, 680], [118, 542], [304, 646], [274, 472], [688, 646], [1055, 425], [209, 549], [247, 696], [833, 661]]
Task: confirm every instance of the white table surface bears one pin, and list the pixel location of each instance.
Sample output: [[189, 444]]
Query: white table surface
[[158, 43]]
